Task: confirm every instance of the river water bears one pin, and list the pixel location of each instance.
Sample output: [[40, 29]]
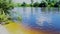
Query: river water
[[39, 18]]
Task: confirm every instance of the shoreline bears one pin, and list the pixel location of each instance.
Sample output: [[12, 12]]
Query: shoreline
[[15, 28]]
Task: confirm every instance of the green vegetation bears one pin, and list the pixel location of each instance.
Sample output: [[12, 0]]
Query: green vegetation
[[4, 19], [23, 4], [45, 3], [31, 3], [5, 6], [36, 4]]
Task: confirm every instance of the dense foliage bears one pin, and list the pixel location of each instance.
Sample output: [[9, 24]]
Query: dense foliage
[[23, 4], [46, 3], [4, 19], [6, 5]]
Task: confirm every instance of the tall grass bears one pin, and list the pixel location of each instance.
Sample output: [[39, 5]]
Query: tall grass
[[3, 17]]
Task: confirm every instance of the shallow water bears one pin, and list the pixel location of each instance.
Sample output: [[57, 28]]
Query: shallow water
[[39, 18]]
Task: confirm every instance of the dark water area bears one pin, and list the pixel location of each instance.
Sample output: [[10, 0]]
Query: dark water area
[[39, 18]]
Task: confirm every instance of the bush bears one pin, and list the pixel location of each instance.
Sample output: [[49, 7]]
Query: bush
[[56, 4], [4, 18], [5, 5], [51, 5], [23, 4], [36, 4], [43, 4], [18, 5]]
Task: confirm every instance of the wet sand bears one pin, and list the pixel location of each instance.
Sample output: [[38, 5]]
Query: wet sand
[[14, 28]]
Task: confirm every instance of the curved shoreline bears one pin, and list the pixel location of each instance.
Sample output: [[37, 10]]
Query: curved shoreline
[[15, 28]]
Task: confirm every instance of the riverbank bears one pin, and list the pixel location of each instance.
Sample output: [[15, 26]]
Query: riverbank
[[15, 28]]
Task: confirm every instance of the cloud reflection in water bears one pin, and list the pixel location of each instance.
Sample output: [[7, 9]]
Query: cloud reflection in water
[[43, 19]]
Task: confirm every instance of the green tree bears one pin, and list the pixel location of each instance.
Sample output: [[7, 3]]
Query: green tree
[[56, 4], [32, 3], [6, 5], [36, 4], [23, 4], [59, 3], [18, 5], [43, 4]]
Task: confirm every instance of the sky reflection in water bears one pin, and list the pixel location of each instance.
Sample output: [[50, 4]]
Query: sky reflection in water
[[40, 18]]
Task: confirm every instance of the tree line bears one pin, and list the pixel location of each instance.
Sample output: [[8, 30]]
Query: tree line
[[45, 3]]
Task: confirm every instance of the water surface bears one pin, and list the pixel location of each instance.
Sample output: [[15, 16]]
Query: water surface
[[39, 18]]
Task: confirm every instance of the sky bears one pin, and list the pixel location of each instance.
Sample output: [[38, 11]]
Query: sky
[[27, 1]]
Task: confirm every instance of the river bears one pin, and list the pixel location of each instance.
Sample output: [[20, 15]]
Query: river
[[39, 18]]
